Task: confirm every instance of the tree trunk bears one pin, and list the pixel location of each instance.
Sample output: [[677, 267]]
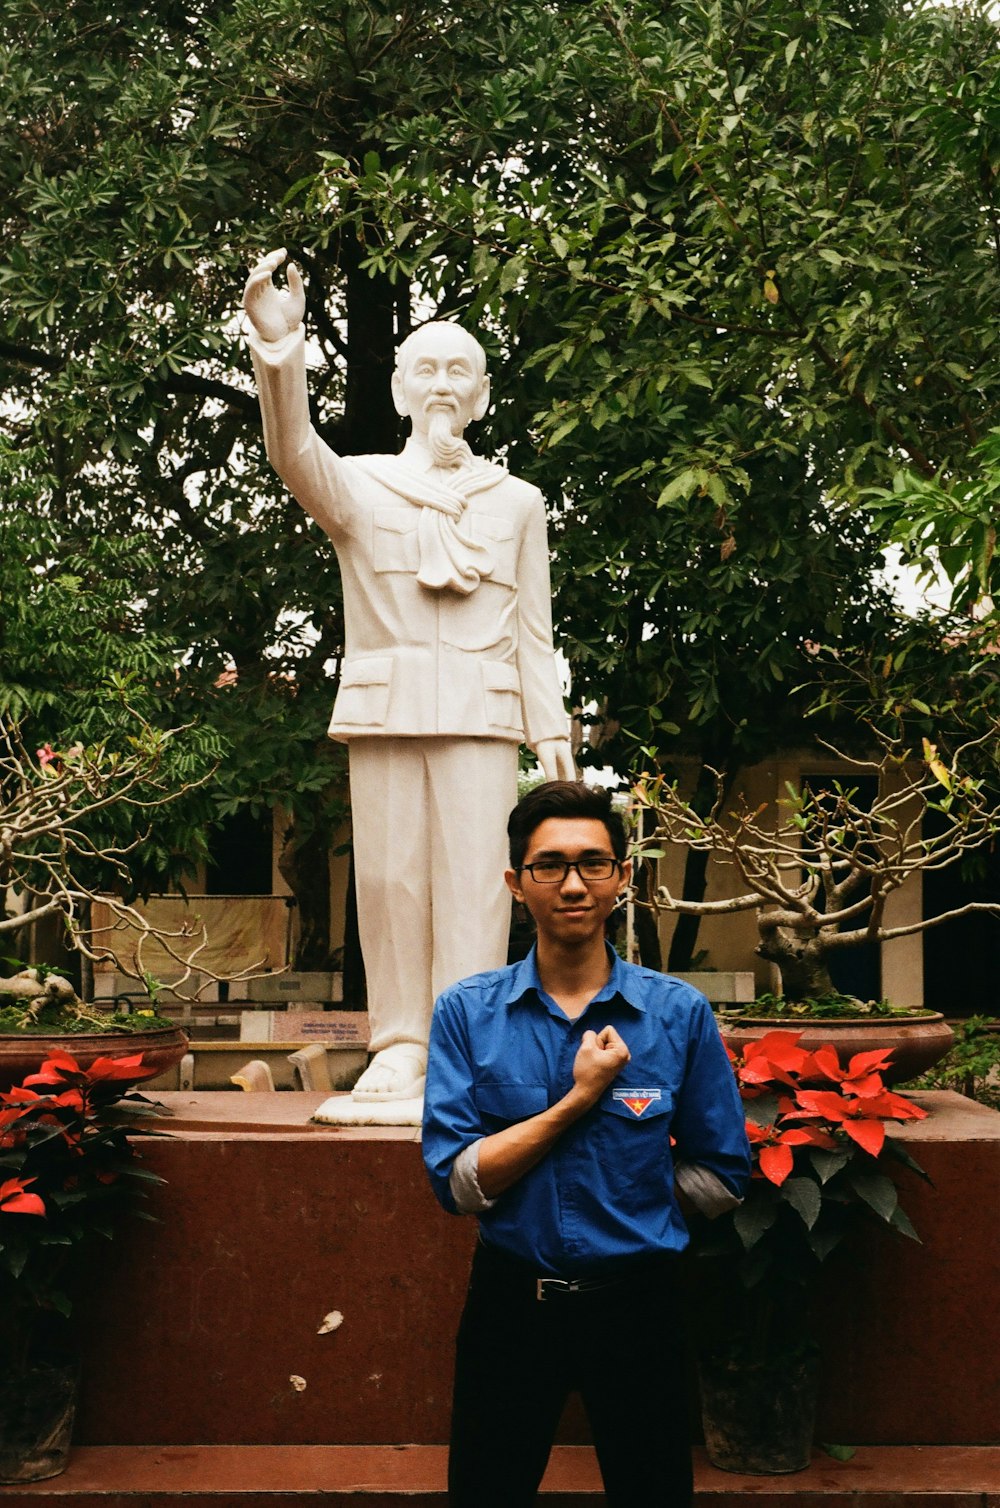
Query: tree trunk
[[645, 918], [801, 959], [371, 423], [684, 942], [355, 995], [305, 867], [685, 937]]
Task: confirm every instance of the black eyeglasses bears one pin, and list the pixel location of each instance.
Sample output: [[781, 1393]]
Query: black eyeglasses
[[554, 871]]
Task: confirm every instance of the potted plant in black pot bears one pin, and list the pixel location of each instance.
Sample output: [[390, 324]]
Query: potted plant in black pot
[[68, 1176], [821, 1160]]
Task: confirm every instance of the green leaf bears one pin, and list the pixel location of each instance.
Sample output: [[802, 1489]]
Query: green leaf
[[681, 486], [877, 1191], [804, 1197], [827, 1164], [754, 1218]]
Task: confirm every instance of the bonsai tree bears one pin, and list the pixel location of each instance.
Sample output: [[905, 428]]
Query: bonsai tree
[[69, 822], [819, 872]]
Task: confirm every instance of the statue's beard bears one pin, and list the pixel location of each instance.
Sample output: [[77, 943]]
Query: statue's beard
[[447, 449]]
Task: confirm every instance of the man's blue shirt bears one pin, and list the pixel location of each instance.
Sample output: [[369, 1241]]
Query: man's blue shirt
[[501, 1050]]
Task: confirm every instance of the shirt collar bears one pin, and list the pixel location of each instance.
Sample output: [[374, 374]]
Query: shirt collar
[[624, 981]]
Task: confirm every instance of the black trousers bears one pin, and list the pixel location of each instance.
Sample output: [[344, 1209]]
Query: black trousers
[[517, 1359]]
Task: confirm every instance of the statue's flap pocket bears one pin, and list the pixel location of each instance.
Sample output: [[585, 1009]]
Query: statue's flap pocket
[[498, 675], [397, 520], [491, 527], [363, 698], [374, 672], [394, 539], [502, 686], [498, 535]]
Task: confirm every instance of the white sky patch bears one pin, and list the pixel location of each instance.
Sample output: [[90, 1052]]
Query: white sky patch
[[911, 588]]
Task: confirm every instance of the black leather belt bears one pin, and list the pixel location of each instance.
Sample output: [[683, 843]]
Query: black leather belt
[[550, 1288], [519, 1274]]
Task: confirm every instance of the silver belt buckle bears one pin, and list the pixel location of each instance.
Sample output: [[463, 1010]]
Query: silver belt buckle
[[546, 1287]]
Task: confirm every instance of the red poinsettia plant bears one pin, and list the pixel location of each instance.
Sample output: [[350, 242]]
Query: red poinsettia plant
[[821, 1157], [67, 1173]]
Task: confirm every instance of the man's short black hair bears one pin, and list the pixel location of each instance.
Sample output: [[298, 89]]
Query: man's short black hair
[[562, 798]]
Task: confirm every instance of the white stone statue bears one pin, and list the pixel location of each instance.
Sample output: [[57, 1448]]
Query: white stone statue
[[448, 665]]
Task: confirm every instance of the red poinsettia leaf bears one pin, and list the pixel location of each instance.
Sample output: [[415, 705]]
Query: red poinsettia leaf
[[103, 1070], [821, 1102], [911, 1113], [893, 1107], [808, 1136], [72, 1099], [865, 1086], [22, 1204], [868, 1134], [824, 1063], [754, 1083], [868, 1062], [757, 1133], [23, 1097], [14, 1201], [776, 1163], [55, 1068], [780, 1050], [756, 1072], [772, 1042]]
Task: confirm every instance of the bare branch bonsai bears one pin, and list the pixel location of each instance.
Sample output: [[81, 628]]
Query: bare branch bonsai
[[56, 857], [820, 876]]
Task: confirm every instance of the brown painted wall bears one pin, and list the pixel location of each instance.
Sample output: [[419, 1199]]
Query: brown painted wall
[[199, 1322]]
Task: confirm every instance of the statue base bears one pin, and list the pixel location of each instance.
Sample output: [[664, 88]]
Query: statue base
[[345, 1110]]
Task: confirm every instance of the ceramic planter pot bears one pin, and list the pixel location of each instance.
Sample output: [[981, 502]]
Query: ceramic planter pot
[[917, 1042], [21, 1054]]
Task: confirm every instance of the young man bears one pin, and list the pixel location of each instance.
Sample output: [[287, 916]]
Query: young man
[[554, 1090]]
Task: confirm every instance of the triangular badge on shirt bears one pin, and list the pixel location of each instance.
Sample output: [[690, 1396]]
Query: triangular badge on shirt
[[637, 1100]]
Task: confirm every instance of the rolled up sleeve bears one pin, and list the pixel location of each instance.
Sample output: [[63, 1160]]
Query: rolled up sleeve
[[451, 1119], [709, 1124]]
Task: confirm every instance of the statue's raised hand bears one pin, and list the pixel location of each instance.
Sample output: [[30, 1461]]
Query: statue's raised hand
[[274, 313]]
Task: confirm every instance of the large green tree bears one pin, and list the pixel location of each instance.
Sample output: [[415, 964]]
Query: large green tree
[[730, 267], [767, 285]]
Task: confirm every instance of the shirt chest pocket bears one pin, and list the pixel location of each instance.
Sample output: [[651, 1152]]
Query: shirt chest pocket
[[633, 1134], [394, 541], [502, 1105], [497, 534]]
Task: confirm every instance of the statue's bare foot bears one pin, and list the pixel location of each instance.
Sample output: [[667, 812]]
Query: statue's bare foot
[[395, 1073]]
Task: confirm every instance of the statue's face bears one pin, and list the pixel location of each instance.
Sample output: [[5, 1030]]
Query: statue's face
[[440, 376]]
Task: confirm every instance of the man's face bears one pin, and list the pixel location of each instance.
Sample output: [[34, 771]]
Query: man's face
[[440, 378], [572, 910]]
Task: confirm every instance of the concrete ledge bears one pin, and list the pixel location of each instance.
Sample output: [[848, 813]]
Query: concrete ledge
[[260, 1476]]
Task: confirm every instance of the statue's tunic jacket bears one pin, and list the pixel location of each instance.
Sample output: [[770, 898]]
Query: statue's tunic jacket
[[421, 662], [449, 664]]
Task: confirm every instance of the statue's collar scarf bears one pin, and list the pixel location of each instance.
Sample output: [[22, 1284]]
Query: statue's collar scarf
[[450, 559]]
